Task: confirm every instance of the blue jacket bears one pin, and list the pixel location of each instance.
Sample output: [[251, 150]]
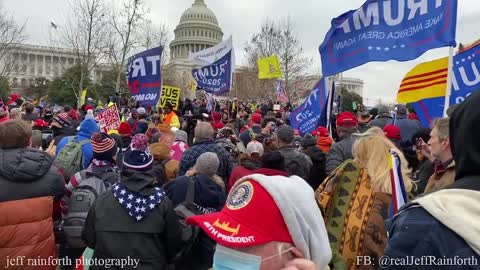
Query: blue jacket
[[87, 128]]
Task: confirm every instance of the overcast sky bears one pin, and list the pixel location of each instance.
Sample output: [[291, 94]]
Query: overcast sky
[[242, 18]]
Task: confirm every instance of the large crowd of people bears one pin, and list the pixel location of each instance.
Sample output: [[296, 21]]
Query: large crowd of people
[[232, 185]]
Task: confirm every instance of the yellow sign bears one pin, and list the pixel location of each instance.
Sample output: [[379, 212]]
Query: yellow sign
[[169, 95], [193, 86], [269, 68], [83, 95]]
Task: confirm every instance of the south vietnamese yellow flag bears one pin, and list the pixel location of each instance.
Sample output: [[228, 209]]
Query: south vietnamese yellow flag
[[426, 80], [83, 95], [269, 68]]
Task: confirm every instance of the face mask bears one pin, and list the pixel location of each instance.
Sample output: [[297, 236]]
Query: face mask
[[229, 259]]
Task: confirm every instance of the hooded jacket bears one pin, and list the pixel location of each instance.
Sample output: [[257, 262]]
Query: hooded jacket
[[29, 185], [87, 128], [444, 224], [209, 198], [380, 121], [153, 240], [324, 143], [161, 154], [317, 173]]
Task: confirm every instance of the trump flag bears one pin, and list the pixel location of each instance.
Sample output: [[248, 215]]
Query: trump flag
[[145, 76], [307, 116], [383, 30]]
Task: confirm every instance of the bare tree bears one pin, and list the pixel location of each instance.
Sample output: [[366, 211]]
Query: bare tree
[[11, 35], [125, 22], [278, 39], [294, 64], [84, 32], [154, 35]]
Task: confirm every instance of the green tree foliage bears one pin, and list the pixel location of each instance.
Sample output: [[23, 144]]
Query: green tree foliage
[[62, 90], [38, 88], [348, 98], [4, 88]]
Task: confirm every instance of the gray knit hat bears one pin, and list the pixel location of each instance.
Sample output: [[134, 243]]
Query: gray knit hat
[[207, 163], [181, 135]]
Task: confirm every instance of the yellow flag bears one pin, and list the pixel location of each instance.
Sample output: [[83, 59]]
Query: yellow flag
[[426, 80], [269, 68], [193, 86], [83, 95]]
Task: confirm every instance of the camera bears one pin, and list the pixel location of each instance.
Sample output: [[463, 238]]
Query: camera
[[47, 137]]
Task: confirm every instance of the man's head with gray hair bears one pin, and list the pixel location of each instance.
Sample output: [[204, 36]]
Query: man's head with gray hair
[[204, 130]]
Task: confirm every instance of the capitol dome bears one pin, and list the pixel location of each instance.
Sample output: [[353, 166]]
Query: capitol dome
[[198, 30]]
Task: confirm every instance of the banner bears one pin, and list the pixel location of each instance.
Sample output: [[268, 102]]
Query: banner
[[426, 80], [465, 80], [108, 119], [144, 76], [170, 95], [281, 95], [388, 30], [83, 96], [212, 54], [306, 117], [217, 77], [269, 68]]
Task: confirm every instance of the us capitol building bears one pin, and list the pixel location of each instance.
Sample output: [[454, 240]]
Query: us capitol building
[[198, 30]]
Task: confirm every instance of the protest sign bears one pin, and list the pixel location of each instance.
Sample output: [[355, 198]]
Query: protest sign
[[388, 30], [108, 119], [144, 76], [170, 95]]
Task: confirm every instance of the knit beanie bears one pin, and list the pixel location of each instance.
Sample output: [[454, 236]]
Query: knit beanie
[[181, 135], [137, 157], [274, 160], [104, 146], [207, 163], [89, 115], [125, 130], [308, 140], [61, 120]]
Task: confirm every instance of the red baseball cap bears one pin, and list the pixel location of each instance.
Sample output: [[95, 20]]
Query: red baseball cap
[[257, 118], [347, 119], [250, 217], [321, 132], [392, 132]]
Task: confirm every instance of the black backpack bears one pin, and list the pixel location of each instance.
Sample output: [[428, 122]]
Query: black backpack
[[82, 198], [184, 210]]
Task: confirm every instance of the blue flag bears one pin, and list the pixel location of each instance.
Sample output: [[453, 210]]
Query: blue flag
[[306, 117], [465, 80], [388, 30], [217, 77], [145, 76]]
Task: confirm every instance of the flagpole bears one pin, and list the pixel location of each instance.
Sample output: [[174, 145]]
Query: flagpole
[[449, 81]]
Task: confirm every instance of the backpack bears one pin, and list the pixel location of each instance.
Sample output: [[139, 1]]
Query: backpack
[[70, 159], [82, 198], [189, 232], [294, 166]]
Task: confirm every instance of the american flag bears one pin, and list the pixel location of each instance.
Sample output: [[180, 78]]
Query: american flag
[[399, 195], [281, 96], [137, 206]]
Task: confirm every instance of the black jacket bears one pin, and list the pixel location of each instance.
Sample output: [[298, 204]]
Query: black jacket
[[209, 197], [317, 173], [113, 233], [60, 133], [340, 152], [28, 173]]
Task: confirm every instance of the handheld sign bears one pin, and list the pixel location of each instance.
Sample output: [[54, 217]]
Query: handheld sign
[[108, 119], [170, 95], [144, 76]]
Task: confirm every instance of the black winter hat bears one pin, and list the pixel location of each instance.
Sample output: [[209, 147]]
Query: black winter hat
[[308, 140]]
